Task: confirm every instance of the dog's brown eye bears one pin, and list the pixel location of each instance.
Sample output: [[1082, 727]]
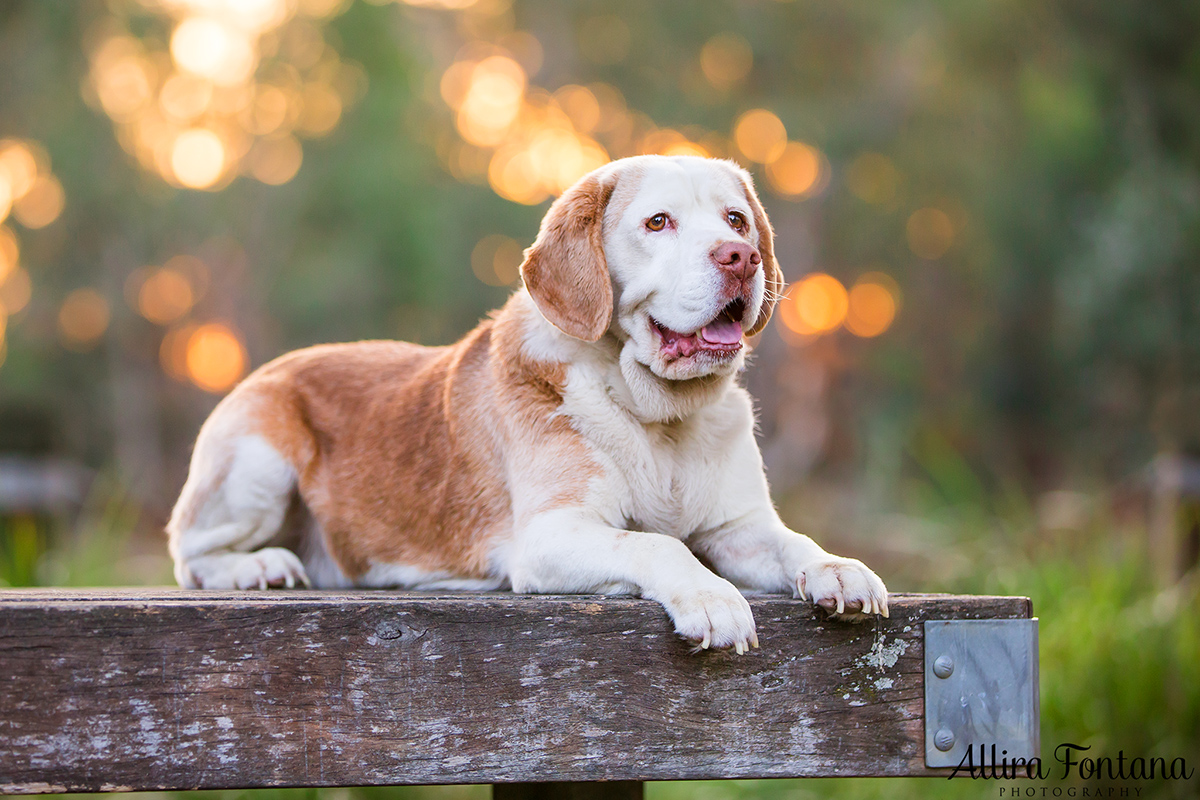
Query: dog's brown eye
[[657, 222], [737, 220]]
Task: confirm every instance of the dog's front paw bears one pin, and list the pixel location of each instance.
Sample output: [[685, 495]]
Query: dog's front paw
[[842, 586], [713, 615]]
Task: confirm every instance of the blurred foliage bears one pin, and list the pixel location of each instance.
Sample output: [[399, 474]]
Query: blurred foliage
[[1027, 173]]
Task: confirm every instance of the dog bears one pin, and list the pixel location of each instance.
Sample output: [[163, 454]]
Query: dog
[[589, 437]]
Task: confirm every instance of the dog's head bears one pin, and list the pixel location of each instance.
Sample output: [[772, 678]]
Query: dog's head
[[671, 255]]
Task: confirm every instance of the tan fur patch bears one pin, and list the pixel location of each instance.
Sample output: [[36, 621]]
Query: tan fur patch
[[565, 270]]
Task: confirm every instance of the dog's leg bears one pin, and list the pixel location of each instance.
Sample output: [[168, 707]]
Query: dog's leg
[[759, 552], [233, 503], [566, 551]]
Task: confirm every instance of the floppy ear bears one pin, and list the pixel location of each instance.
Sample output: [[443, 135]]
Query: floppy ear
[[766, 249], [565, 270]]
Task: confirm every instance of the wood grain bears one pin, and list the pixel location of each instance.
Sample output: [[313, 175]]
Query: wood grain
[[178, 690]]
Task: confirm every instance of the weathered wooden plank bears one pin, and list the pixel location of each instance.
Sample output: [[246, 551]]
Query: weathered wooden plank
[[175, 690]]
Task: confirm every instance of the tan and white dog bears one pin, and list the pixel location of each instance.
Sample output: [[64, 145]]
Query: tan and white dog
[[589, 437]]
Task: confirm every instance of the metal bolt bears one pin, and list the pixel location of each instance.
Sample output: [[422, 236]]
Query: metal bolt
[[944, 739], [943, 667]]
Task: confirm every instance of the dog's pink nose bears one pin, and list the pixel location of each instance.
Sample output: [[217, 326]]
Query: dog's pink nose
[[739, 259]]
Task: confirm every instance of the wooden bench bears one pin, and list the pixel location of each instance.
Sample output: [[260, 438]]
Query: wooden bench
[[543, 696]]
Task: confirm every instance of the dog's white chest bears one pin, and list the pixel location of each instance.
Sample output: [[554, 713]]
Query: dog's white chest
[[672, 478]]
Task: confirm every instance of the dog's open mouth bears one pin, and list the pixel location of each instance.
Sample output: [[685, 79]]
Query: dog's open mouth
[[721, 337]]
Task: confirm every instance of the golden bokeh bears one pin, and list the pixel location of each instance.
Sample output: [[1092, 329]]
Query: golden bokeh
[[125, 80], [760, 135], [185, 97], [82, 319], [496, 260], [276, 161], [231, 72], [492, 101], [198, 158], [580, 105], [816, 304], [725, 60], [42, 204], [18, 167], [873, 302], [930, 233], [797, 172], [16, 291], [214, 49], [10, 253], [165, 296], [447, 5], [322, 110], [670, 142], [512, 176], [172, 353], [215, 357], [6, 197], [873, 178]]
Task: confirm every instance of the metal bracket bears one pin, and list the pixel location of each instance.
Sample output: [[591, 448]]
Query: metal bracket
[[981, 688]]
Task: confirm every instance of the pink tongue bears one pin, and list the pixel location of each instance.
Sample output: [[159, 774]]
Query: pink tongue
[[722, 331]]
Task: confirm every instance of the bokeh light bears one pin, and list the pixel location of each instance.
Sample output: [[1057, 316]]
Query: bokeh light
[[213, 49], [797, 172], [539, 142], [580, 105], [172, 353], [42, 204], [6, 197], [492, 101], [198, 158], [165, 296], [930, 233], [18, 167], [496, 260], [760, 135], [10, 253], [276, 161], [16, 291], [873, 302], [82, 319], [873, 178], [725, 60], [215, 357], [816, 304], [192, 111]]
